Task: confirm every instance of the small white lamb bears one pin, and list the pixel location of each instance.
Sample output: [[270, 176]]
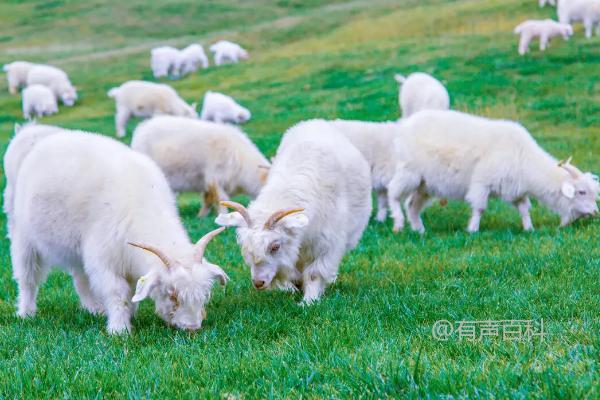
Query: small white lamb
[[16, 75], [117, 232], [421, 91], [191, 58], [39, 101], [146, 99], [226, 51], [459, 156], [544, 30], [56, 79], [217, 160], [221, 108], [585, 11], [313, 209], [164, 61]]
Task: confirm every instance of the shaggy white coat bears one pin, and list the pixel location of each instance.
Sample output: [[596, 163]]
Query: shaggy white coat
[[216, 160], [191, 59], [38, 101], [318, 170], [147, 99], [83, 223], [228, 52], [221, 108], [56, 79], [421, 91], [584, 11], [16, 74], [459, 156], [545, 30]]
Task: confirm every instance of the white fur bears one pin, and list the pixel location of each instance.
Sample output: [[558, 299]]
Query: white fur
[[16, 74], [459, 156], [38, 101], [421, 91], [83, 223], [585, 11], [214, 159], [317, 169], [375, 141], [221, 108], [56, 79], [164, 61], [191, 58], [146, 99], [545, 30], [543, 3], [226, 51], [26, 137]]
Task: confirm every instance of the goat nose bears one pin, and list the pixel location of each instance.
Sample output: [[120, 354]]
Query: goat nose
[[258, 283]]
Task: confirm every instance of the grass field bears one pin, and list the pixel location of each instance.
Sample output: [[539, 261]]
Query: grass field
[[371, 335]]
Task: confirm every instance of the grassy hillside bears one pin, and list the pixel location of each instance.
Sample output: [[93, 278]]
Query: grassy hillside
[[370, 336]]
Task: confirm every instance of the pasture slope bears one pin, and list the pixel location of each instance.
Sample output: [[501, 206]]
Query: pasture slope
[[370, 336]]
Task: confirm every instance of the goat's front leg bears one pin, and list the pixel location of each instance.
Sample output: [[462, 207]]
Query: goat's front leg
[[477, 198], [523, 206], [319, 274]]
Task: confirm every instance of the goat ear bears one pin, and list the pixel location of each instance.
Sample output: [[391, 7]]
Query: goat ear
[[144, 285], [218, 273], [568, 190], [295, 221], [230, 219]]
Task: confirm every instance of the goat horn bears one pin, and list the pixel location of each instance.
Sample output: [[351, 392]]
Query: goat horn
[[565, 162], [201, 244], [278, 215], [163, 257], [239, 208]]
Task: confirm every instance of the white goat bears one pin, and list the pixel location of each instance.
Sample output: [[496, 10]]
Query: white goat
[[543, 3], [26, 137], [16, 74], [221, 108], [164, 61], [56, 79], [585, 11], [313, 209], [85, 225], [147, 99], [421, 91], [460, 156], [191, 58], [39, 101], [543, 29], [226, 51], [214, 159]]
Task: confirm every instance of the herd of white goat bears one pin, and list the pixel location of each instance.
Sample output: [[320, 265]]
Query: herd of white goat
[[107, 212]]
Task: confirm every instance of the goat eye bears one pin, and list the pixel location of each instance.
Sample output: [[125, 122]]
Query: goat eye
[[274, 247], [582, 192]]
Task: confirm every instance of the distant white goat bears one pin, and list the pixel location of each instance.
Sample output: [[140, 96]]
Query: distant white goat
[[164, 61], [16, 75], [191, 59], [460, 156], [56, 79], [114, 227], [226, 51], [221, 108], [421, 91], [39, 101], [146, 99], [214, 159], [313, 209], [543, 29], [585, 11]]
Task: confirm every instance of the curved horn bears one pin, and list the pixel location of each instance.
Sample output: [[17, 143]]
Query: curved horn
[[564, 162], [278, 215], [239, 208], [566, 165], [163, 257], [201, 244]]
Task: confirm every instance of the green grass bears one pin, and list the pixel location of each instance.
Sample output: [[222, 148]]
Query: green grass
[[370, 336]]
